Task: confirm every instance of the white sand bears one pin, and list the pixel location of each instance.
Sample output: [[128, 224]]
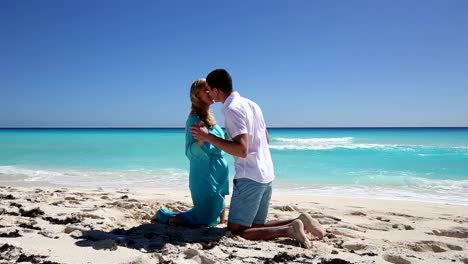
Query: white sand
[[112, 226]]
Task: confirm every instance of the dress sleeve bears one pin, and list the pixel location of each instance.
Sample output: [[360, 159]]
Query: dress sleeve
[[192, 150]]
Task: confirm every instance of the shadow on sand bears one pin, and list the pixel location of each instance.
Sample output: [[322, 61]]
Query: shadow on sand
[[150, 237]]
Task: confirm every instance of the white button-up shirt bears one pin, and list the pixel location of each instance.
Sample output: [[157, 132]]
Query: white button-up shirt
[[243, 116]]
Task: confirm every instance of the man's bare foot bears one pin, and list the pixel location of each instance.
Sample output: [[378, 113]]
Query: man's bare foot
[[312, 226], [297, 232]]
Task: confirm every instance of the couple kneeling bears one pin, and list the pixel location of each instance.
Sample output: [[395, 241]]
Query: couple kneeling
[[248, 142]]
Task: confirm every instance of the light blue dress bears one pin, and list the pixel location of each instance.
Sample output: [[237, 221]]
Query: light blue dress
[[208, 179]]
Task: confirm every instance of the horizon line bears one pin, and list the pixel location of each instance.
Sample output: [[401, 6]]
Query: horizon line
[[273, 127]]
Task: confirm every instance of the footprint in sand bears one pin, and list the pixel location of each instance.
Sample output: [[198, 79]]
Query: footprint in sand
[[383, 219], [88, 215], [402, 227], [35, 212], [396, 259], [324, 219], [17, 205], [343, 232], [12, 254], [353, 206], [456, 219], [7, 197], [28, 226], [123, 205], [327, 221], [433, 246], [358, 213], [92, 209], [400, 214], [57, 203], [56, 221], [351, 227], [457, 232], [11, 234], [376, 227], [196, 257], [355, 246], [286, 208]]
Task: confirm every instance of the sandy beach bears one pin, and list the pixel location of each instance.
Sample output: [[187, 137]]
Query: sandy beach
[[75, 225]]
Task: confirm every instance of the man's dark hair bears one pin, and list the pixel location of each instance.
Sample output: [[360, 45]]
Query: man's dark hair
[[220, 79]]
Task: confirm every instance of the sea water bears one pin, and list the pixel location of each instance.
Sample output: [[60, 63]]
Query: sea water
[[426, 164]]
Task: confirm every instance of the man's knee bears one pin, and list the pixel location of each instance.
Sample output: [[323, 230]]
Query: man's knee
[[236, 229]]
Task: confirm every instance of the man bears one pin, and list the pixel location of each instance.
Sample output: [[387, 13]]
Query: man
[[249, 144]]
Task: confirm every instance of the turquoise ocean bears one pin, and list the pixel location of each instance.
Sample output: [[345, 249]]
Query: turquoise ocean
[[423, 164]]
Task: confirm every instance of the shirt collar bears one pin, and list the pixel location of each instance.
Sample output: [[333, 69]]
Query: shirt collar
[[230, 98]]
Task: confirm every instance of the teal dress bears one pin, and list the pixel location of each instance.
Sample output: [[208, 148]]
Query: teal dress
[[208, 179]]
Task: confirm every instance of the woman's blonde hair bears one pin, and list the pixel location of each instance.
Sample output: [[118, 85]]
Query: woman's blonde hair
[[198, 108]]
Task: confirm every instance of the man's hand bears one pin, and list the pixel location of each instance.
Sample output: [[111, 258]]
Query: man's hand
[[238, 146]]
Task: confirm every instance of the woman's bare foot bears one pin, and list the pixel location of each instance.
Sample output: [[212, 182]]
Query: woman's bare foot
[[312, 226], [153, 219], [297, 232], [172, 220], [222, 217]]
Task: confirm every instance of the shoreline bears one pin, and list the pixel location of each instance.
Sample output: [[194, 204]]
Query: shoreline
[[110, 225], [288, 189]]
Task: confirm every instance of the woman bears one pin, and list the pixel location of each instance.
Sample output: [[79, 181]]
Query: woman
[[208, 178]]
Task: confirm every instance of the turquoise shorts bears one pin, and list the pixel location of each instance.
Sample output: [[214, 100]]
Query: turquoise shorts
[[250, 202]]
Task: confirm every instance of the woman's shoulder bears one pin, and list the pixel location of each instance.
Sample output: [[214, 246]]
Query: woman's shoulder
[[218, 131], [193, 118], [217, 127]]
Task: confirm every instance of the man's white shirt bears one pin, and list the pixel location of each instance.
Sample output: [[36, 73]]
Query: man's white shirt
[[243, 116]]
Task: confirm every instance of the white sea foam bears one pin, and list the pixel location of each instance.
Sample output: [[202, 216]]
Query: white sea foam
[[331, 143], [381, 186], [418, 189], [165, 178]]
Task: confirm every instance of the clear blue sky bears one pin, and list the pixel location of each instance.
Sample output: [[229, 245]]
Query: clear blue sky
[[306, 63]]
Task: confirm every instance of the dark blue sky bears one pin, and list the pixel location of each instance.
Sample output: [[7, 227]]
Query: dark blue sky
[[307, 63]]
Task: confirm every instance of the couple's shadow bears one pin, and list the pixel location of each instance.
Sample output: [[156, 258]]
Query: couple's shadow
[[151, 237]]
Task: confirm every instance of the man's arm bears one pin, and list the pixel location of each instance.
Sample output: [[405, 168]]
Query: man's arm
[[238, 147]]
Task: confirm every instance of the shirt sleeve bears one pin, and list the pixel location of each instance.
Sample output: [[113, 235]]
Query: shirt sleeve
[[236, 122]]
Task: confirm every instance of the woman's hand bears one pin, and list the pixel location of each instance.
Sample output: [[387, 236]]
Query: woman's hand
[[200, 141]]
